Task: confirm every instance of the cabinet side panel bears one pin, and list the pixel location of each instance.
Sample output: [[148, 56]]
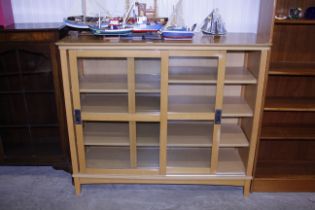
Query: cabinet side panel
[[68, 106], [258, 110], [266, 19]]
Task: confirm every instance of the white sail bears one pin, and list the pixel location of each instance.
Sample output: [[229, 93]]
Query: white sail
[[177, 16]]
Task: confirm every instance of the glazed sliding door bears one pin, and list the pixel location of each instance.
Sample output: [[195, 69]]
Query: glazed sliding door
[[195, 95], [116, 100]]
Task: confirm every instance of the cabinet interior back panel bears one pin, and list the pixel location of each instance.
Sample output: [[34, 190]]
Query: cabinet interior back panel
[[103, 66]]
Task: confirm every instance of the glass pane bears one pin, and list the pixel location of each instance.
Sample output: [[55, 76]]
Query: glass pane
[[104, 103], [38, 82], [148, 103], [148, 138], [103, 85], [107, 157], [106, 133], [192, 84], [147, 80], [191, 98], [13, 109], [147, 75], [10, 83], [32, 62], [107, 145], [8, 62], [42, 108], [46, 142], [16, 142], [103, 75], [192, 70], [189, 146]]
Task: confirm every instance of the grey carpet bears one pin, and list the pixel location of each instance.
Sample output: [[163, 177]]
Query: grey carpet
[[45, 188]]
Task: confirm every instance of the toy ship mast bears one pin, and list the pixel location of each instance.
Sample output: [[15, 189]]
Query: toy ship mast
[[176, 17]]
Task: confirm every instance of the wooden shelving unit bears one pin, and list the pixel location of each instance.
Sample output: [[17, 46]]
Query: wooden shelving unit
[[285, 159], [164, 112], [288, 132], [179, 134], [290, 104], [205, 75], [292, 69], [32, 120], [295, 22]]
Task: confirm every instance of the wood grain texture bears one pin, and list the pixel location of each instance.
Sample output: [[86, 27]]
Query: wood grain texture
[[180, 134], [217, 157], [76, 105], [288, 132], [164, 115], [290, 104], [289, 45], [69, 109], [283, 185], [257, 111], [241, 41], [33, 124], [284, 161], [218, 107], [292, 69], [131, 110], [266, 19]]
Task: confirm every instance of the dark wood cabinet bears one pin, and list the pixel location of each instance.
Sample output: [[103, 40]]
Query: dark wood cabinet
[[32, 119], [285, 159]]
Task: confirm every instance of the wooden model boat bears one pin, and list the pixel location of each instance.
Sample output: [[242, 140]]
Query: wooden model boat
[[177, 33], [81, 22], [109, 31]]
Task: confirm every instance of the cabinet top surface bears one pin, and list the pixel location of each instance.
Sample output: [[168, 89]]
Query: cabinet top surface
[[33, 27], [230, 40]]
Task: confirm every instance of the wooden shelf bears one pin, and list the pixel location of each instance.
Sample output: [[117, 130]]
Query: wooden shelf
[[232, 106], [206, 75], [199, 134], [188, 158], [229, 160], [101, 103], [178, 105], [117, 134], [107, 157], [118, 84], [285, 169], [295, 22], [118, 103], [106, 134], [287, 132], [290, 104], [180, 134], [119, 157], [294, 69]]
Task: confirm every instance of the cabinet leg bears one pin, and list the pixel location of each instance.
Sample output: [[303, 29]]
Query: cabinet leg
[[77, 186], [246, 189]]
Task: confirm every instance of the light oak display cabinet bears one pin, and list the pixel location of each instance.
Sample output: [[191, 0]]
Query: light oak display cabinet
[[164, 112]]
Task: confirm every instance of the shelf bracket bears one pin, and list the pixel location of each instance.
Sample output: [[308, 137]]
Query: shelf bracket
[[77, 117], [218, 116]]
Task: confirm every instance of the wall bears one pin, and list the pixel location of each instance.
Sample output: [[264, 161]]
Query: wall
[[44, 10], [239, 15]]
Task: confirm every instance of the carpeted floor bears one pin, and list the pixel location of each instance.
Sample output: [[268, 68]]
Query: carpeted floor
[[45, 188]]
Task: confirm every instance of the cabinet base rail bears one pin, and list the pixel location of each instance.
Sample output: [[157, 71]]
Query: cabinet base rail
[[227, 180]]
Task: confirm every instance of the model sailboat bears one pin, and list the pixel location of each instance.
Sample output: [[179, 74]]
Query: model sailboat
[[175, 29], [213, 24]]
